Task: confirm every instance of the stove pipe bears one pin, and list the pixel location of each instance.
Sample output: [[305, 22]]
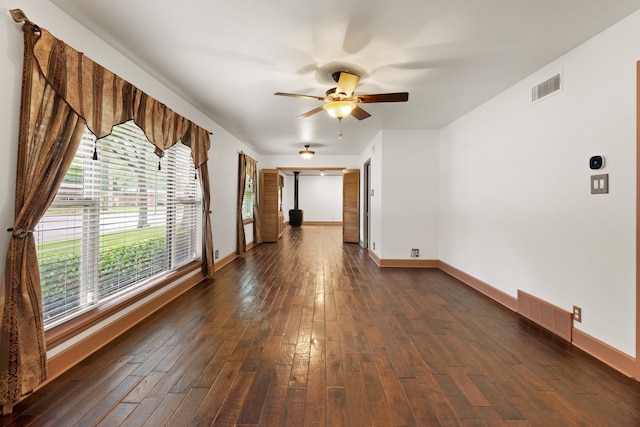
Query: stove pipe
[[295, 190], [295, 215]]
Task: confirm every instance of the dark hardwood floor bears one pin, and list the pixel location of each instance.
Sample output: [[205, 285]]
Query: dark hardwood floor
[[310, 332]]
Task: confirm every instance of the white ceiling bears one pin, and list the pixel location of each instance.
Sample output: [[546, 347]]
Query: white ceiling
[[228, 58]]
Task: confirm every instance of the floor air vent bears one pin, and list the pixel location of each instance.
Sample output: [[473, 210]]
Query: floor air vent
[[546, 88], [553, 318]]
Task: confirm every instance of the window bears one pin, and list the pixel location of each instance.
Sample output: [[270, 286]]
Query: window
[[117, 222], [249, 198]]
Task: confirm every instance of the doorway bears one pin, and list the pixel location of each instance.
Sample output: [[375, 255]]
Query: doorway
[[637, 370], [366, 226]]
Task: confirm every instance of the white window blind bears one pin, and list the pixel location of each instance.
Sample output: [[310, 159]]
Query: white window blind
[[117, 222], [248, 199]]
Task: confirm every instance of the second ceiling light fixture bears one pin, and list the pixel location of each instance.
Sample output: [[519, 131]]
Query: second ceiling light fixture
[[306, 153]]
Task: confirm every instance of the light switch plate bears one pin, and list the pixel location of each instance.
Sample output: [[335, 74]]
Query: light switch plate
[[600, 184]]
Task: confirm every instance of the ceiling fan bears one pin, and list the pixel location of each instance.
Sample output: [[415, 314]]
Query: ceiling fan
[[341, 101]]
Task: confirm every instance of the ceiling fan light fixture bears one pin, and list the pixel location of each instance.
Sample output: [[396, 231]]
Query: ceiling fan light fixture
[[339, 109], [306, 153]]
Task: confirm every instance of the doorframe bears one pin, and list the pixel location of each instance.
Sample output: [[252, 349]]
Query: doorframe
[[637, 358], [366, 215]]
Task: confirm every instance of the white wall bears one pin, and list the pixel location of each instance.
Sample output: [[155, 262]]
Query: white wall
[[409, 194], [404, 205], [223, 154], [515, 206], [10, 81], [320, 197]]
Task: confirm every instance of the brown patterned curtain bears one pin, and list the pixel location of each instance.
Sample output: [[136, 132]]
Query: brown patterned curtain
[[253, 172], [62, 91], [207, 237], [246, 166], [241, 245], [48, 139]]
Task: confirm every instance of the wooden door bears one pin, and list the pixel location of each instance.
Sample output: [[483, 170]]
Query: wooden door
[[351, 206], [269, 208]]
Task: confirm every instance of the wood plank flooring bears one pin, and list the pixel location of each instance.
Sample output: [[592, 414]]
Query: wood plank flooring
[[310, 332]]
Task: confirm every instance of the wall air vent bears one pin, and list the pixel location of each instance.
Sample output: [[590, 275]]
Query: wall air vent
[[546, 88]]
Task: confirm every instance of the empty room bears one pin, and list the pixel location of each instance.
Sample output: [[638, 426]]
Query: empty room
[[355, 213]]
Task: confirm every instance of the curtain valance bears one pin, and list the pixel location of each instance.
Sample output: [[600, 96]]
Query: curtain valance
[[105, 100]]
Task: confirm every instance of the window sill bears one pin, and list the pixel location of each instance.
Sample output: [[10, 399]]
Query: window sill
[[65, 331]]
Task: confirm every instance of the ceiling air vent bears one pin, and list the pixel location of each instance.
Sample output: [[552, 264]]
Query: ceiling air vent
[[546, 88]]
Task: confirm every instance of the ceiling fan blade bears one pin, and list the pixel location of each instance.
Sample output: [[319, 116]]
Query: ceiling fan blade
[[384, 97], [310, 113], [347, 83], [359, 113], [295, 95]]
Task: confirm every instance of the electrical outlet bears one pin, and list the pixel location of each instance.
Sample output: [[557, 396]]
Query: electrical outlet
[[577, 314], [374, 246], [415, 253], [216, 254]]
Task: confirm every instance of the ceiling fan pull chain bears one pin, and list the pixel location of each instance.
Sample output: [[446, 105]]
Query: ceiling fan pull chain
[[340, 128]]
